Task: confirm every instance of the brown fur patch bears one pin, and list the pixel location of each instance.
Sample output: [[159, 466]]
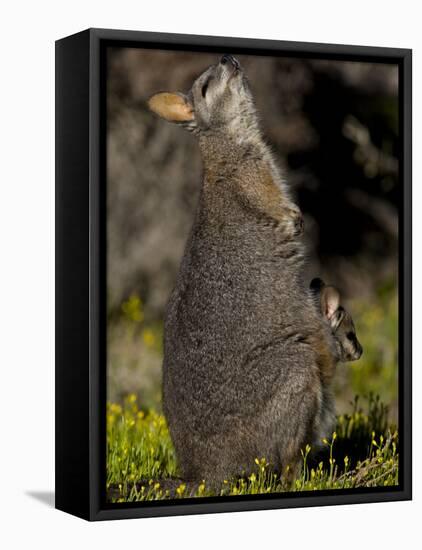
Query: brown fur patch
[[263, 194], [325, 361]]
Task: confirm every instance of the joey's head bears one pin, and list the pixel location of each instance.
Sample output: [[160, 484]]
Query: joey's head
[[340, 321], [219, 102]]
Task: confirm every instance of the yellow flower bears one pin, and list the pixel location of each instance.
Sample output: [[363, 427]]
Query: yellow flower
[[132, 309], [115, 409], [148, 337], [131, 398], [181, 489]]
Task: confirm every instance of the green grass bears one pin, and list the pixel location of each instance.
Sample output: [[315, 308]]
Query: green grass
[[141, 463]]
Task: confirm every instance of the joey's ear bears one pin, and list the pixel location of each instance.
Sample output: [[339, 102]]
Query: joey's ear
[[330, 301], [316, 285], [337, 318], [173, 107]]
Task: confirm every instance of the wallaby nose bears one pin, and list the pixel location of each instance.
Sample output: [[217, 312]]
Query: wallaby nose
[[227, 58], [358, 352]]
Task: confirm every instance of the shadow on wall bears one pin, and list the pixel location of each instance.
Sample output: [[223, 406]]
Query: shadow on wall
[[45, 497]]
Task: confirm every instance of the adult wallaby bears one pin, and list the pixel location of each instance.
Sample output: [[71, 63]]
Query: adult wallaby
[[246, 353], [346, 344]]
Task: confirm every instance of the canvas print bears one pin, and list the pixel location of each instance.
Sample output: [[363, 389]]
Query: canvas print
[[252, 275]]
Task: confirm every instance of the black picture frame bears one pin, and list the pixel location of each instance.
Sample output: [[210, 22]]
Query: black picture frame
[[81, 273]]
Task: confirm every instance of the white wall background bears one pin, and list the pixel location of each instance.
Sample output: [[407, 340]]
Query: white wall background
[[27, 272]]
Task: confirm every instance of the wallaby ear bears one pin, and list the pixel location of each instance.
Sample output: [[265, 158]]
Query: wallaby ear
[[330, 301], [173, 107], [337, 318]]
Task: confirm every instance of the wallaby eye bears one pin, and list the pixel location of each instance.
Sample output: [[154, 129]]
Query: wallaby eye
[[350, 335], [204, 89]]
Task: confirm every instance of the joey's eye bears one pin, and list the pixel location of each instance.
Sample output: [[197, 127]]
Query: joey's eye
[[204, 89], [350, 335]]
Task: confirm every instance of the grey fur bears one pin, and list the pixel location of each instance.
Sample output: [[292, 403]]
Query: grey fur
[[246, 353]]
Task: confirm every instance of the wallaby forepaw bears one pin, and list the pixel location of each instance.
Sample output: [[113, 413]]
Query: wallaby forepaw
[[297, 224]]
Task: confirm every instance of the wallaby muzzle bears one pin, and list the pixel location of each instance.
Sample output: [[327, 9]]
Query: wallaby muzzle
[[231, 64], [357, 353]]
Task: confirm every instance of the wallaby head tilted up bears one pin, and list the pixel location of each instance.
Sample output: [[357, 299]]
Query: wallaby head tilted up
[[220, 110], [246, 353]]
